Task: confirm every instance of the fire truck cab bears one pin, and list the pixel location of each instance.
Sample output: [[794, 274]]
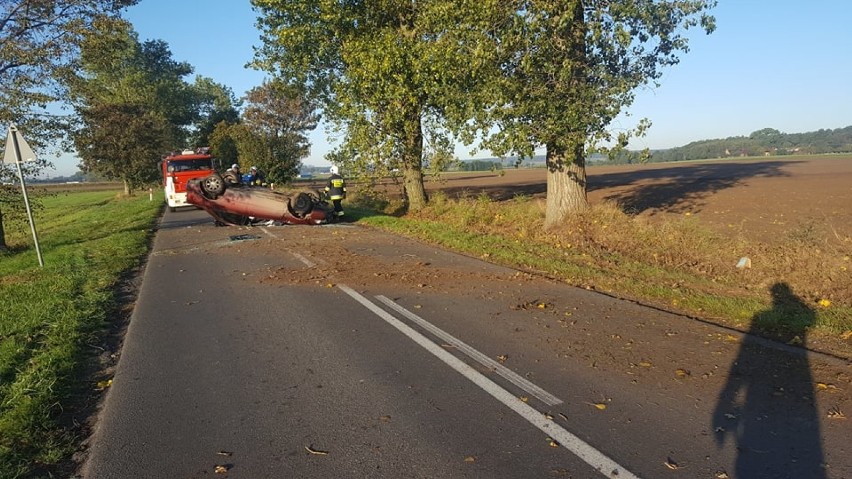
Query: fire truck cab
[[180, 168]]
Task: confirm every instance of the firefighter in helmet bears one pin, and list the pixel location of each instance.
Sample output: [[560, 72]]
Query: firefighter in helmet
[[336, 190]]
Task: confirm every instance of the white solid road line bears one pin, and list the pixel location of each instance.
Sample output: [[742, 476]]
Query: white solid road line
[[577, 446], [308, 263], [477, 356]]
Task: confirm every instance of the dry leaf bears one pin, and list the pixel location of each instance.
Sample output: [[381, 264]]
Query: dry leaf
[[682, 373], [671, 464], [104, 384], [502, 358], [824, 386], [317, 452], [224, 453], [722, 475], [552, 442], [470, 459], [645, 364], [221, 469], [836, 413], [599, 405], [524, 399]]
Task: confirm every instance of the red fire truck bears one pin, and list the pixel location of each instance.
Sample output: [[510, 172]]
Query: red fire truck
[[180, 168]]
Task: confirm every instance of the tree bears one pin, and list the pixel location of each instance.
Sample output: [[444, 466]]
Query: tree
[[39, 43], [276, 119], [222, 140], [124, 82], [569, 68], [216, 104], [106, 146], [394, 76]]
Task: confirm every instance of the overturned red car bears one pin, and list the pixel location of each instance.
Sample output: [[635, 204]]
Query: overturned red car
[[237, 205]]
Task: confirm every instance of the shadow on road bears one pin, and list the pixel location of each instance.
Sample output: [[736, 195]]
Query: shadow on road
[[767, 405]]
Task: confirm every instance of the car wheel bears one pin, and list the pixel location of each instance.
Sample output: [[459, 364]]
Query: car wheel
[[302, 203], [213, 186]]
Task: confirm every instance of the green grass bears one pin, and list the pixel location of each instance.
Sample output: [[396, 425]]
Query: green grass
[[51, 316]]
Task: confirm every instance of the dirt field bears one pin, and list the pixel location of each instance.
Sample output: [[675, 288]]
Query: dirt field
[[762, 199]]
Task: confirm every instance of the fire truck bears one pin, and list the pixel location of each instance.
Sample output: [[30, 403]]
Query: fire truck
[[180, 168]]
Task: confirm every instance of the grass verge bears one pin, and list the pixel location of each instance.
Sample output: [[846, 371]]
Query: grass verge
[[52, 317], [680, 266]]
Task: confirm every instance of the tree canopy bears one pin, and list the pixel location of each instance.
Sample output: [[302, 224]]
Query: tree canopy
[[568, 69], [123, 81], [391, 76], [39, 45]]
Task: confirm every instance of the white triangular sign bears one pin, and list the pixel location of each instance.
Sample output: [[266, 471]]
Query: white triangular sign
[[26, 152]]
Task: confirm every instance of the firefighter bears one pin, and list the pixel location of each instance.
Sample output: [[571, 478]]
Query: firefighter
[[336, 191], [256, 178], [233, 176]]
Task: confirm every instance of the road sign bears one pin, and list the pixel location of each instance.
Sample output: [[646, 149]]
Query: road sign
[[17, 150], [10, 156]]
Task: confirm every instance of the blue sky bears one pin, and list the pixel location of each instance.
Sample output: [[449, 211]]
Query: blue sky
[[782, 64]]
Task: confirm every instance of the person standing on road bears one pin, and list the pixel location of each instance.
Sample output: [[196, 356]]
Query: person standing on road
[[336, 190]]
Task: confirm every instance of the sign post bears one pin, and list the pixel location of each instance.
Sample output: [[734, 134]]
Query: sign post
[[17, 150]]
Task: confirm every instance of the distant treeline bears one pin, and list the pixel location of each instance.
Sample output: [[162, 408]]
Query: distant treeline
[[765, 142]]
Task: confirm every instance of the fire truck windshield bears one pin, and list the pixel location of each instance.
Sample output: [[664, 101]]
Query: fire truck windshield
[[190, 165]]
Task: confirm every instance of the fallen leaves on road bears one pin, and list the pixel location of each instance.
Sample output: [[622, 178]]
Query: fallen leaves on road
[[836, 413], [534, 304], [826, 387], [104, 384], [470, 459], [671, 464], [221, 468], [552, 442], [317, 452]]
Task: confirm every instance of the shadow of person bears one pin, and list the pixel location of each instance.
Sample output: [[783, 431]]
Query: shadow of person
[[767, 405]]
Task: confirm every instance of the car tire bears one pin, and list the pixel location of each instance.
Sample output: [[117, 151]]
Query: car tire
[[213, 186], [302, 203]]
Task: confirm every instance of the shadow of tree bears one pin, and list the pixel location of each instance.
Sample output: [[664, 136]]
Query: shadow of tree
[[767, 405], [680, 188]]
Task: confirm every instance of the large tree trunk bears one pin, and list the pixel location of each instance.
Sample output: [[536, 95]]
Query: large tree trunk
[[566, 184], [412, 161]]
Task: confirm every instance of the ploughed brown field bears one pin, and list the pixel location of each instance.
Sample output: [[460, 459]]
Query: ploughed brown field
[[761, 199]]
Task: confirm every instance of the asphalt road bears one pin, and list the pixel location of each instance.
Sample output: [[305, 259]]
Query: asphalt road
[[229, 369]]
